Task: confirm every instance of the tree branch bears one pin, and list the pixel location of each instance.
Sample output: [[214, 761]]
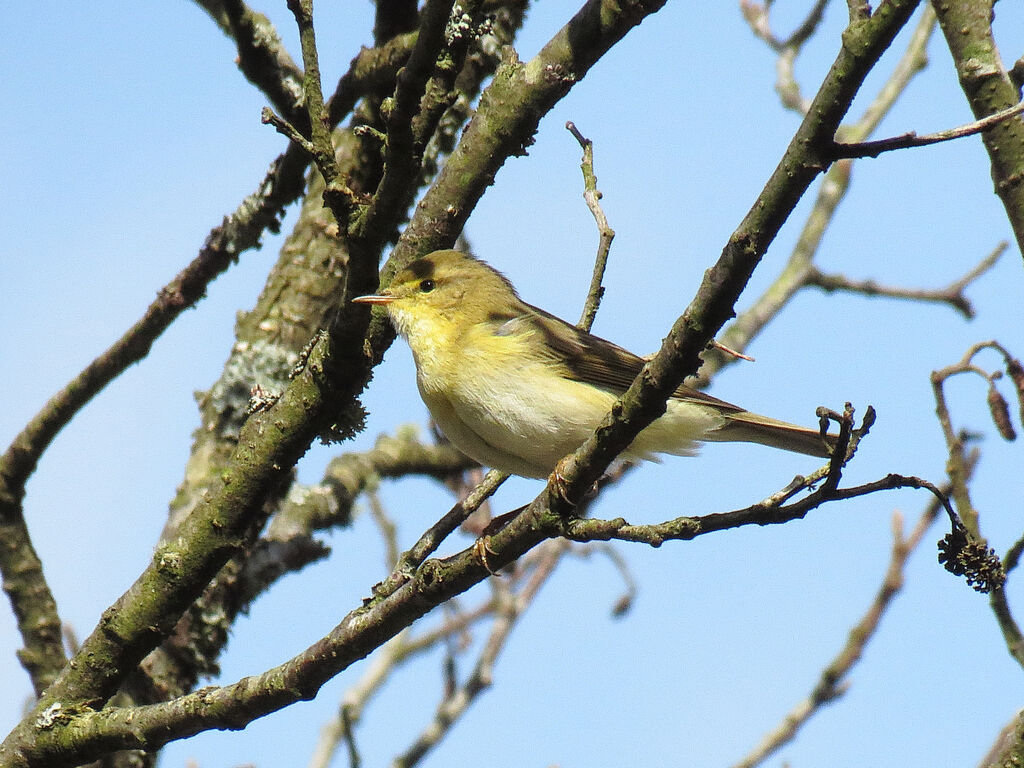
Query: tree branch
[[832, 682], [831, 192], [953, 294], [592, 196], [911, 139], [990, 89], [263, 59], [23, 578]]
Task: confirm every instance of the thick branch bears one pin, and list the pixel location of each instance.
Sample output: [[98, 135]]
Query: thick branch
[[989, 87], [831, 191], [805, 158], [23, 580], [265, 61]]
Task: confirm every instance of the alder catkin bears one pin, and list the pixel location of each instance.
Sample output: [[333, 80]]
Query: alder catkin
[[1000, 411], [1016, 373]]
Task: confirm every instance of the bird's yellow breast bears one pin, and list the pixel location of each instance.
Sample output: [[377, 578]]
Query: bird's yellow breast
[[496, 398]]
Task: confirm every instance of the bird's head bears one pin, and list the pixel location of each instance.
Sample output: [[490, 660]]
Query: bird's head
[[444, 287]]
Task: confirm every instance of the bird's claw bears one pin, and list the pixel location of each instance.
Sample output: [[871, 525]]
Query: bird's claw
[[480, 549], [558, 483]]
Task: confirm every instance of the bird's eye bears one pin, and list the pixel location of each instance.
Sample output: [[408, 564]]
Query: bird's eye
[[426, 286]]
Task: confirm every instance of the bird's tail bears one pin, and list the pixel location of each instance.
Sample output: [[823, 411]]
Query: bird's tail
[[746, 427]]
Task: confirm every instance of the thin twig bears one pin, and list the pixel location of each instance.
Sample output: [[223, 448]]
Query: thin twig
[[757, 16], [832, 682], [438, 532], [957, 465], [911, 139], [457, 701], [1012, 634], [386, 526], [606, 234], [953, 294], [350, 739], [831, 192], [287, 130], [764, 513], [337, 195]]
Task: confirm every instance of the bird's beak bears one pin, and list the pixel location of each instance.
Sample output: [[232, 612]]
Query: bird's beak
[[380, 298]]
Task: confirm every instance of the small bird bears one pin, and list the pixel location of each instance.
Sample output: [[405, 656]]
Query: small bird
[[516, 388]]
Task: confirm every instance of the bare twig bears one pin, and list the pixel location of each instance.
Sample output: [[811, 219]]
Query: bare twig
[[592, 195], [831, 193], [350, 739], [757, 16], [832, 682], [788, 49], [953, 294], [1011, 630], [1012, 635], [386, 526], [729, 351], [956, 466], [262, 57], [911, 139], [767, 512], [509, 608], [337, 195], [438, 532], [287, 130]]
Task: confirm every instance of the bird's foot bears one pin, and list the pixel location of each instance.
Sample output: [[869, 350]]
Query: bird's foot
[[483, 544], [559, 485], [480, 549]]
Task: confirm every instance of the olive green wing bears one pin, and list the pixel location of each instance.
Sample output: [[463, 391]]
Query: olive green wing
[[593, 360], [590, 359]]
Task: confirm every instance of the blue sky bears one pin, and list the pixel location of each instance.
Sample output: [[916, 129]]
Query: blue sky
[[129, 135]]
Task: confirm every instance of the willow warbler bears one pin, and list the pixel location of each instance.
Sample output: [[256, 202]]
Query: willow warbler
[[516, 388]]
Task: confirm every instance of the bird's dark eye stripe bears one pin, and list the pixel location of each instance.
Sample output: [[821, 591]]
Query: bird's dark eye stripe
[[426, 286]]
